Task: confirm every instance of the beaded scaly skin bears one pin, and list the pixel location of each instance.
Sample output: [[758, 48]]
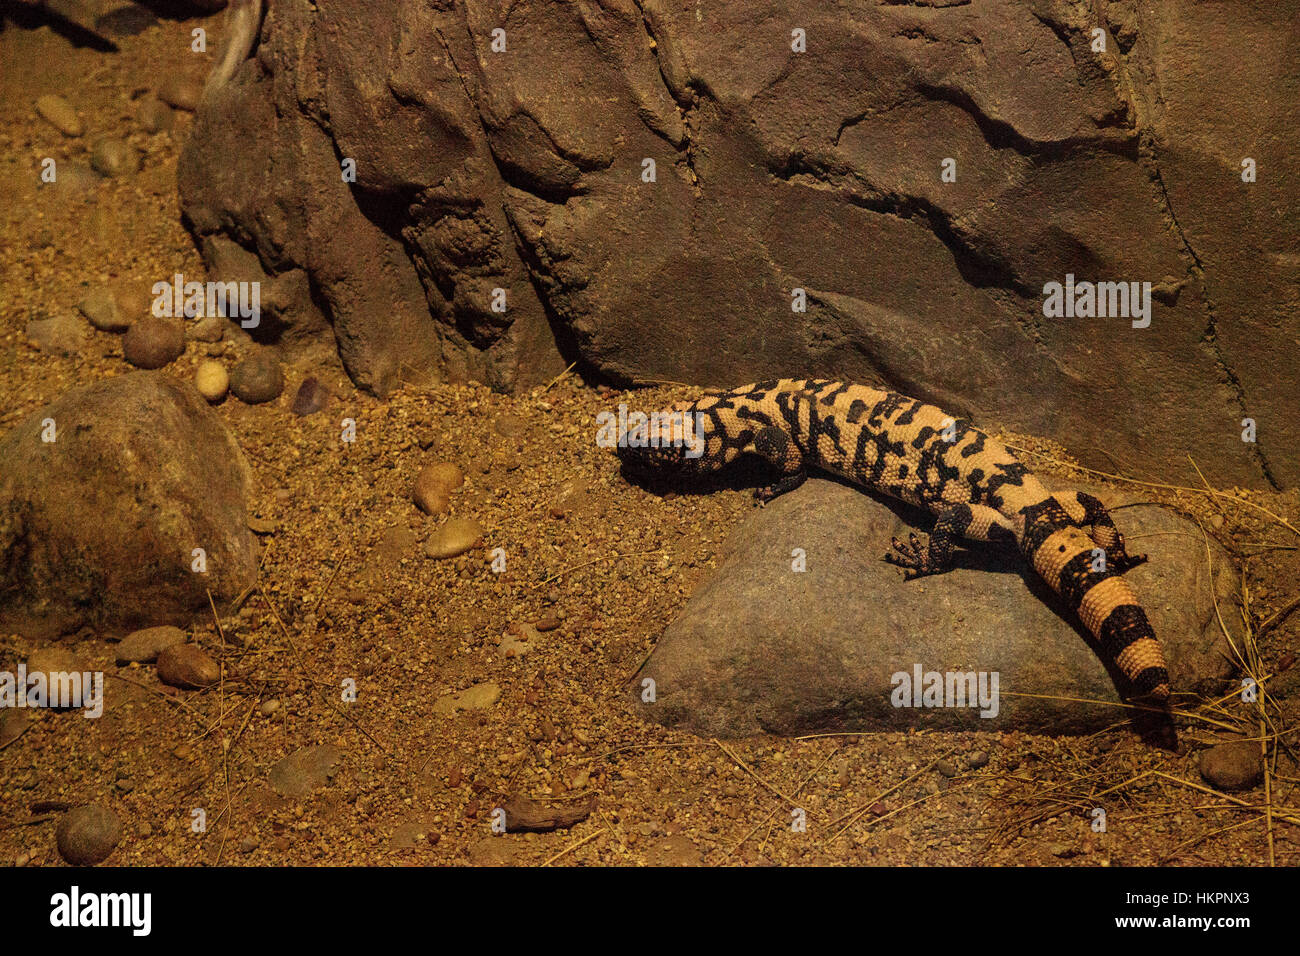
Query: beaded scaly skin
[[919, 454]]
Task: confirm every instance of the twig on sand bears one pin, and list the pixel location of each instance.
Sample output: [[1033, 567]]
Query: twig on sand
[[744, 766], [799, 789], [860, 811], [587, 564], [573, 846], [558, 377], [301, 663], [1274, 619]]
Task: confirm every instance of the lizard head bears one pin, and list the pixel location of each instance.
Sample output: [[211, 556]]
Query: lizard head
[[669, 442]]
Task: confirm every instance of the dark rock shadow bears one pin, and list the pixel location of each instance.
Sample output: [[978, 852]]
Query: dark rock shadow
[[32, 18]]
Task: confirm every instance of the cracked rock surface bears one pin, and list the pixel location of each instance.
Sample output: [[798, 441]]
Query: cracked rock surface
[[519, 176]]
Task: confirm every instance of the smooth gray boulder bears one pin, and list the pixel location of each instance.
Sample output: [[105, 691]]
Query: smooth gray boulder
[[761, 648]]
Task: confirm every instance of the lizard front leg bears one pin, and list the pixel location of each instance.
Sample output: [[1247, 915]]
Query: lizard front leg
[[779, 449], [973, 522]]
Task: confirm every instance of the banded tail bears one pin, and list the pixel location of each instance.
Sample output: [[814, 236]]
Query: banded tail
[[1086, 572]]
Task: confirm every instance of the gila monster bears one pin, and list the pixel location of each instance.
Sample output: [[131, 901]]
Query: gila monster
[[915, 452]]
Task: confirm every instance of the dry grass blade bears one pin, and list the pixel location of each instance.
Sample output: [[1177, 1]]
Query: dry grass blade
[[744, 766], [573, 846], [860, 811], [301, 663], [799, 789]]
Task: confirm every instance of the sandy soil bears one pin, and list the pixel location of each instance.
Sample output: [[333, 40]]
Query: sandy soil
[[347, 593]]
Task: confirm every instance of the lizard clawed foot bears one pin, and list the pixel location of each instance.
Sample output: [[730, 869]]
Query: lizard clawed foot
[[914, 557], [1126, 562]]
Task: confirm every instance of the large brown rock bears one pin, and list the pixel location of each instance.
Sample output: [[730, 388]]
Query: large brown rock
[[99, 527], [761, 647], [522, 170]]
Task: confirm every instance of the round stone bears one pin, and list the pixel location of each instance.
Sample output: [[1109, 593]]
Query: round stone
[[455, 537], [181, 92], [1236, 765], [113, 157], [133, 299], [100, 308], [153, 342], [87, 835], [434, 486], [155, 115], [257, 379], [187, 666], [211, 380], [59, 113]]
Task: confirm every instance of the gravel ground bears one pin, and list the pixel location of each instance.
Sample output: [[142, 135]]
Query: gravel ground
[[596, 565]]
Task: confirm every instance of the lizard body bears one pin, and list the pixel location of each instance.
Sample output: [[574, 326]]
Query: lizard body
[[917, 453]]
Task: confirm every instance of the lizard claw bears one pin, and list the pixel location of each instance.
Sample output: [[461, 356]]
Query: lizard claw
[[911, 557], [1121, 560], [1126, 562]]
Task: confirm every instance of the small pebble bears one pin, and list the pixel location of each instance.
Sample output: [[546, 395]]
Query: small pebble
[[60, 334], [310, 397], [54, 660], [1236, 765], [977, 760], [211, 380], [434, 485], [59, 113], [153, 342], [269, 708], [259, 525], [74, 179], [144, 646], [187, 666], [209, 329], [181, 92], [113, 157], [155, 115], [257, 378], [100, 309], [133, 299], [87, 835], [455, 537]]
